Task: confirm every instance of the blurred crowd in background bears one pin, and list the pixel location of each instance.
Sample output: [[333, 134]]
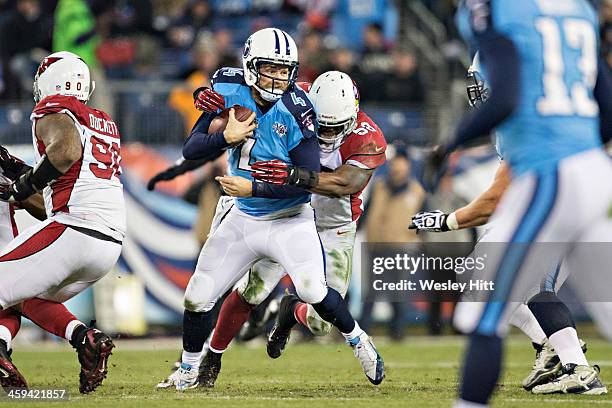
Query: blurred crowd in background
[[189, 39], [179, 44], [147, 57]]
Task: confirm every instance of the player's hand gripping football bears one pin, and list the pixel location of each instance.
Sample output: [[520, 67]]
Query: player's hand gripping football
[[236, 186], [236, 132], [207, 100], [278, 172], [432, 221]]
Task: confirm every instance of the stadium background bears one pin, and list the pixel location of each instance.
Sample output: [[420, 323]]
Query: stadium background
[[147, 57]]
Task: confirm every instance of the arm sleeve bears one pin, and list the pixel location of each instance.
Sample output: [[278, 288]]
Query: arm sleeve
[[201, 144], [501, 59], [603, 92], [183, 166], [305, 155]]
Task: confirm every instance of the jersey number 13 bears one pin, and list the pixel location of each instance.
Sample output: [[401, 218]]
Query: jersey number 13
[[560, 97]]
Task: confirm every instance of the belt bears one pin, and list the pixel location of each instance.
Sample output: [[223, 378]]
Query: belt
[[94, 234]]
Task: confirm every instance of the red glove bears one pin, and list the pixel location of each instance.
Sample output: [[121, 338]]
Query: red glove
[[207, 100], [271, 171]]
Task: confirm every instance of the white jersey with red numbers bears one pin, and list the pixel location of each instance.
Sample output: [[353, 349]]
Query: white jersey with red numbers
[[8, 228], [89, 194], [364, 148]]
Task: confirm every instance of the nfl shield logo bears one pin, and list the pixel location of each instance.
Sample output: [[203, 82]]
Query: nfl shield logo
[[280, 129]]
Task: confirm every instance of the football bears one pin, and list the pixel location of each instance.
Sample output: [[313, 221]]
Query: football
[[219, 123]]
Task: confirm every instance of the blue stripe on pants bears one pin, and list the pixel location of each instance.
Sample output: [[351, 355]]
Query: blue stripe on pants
[[535, 216]]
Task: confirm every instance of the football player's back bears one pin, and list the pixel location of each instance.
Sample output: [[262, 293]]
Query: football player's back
[[557, 115], [550, 105]]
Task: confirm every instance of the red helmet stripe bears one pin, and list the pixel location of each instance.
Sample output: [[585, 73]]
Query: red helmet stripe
[[46, 63]]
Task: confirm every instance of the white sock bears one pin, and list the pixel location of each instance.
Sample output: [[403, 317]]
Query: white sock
[[193, 359], [354, 333], [5, 334], [459, 403], [528, 324], [566, 344], [214, 350], [70, 329]]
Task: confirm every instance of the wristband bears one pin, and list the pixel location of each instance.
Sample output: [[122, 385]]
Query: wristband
[[451, 222], [44, 173], [303, 178]]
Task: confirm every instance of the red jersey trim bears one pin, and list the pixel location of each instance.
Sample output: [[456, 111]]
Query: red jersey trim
[[62, 187], [13, 223], [36, 243]]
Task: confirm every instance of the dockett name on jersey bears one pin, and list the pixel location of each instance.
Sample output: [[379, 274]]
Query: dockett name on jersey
[[103, 125], [90, 193]]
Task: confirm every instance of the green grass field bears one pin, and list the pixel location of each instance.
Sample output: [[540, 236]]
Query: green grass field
[[421, 372]]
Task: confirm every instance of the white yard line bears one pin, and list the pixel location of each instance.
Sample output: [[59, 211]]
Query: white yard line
[[555, 401]]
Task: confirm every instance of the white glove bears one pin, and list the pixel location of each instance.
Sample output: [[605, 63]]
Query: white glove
[[434, 221]]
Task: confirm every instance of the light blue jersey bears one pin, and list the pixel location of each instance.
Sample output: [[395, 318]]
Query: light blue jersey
[[289, 121], [557, 42]]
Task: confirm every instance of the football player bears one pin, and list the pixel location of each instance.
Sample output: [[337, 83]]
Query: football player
[[548, 103], [557, 320], [264, 220], [352, 147], [77, 151], [51, 316]]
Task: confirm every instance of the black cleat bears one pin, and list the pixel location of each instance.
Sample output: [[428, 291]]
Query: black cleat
[[10, 377], [94, 349], [209, 369], [279, 336], [257, 324]]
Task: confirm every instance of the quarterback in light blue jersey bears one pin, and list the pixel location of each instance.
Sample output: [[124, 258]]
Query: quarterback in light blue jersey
[[551, 108], [280, 129], [268, 221]]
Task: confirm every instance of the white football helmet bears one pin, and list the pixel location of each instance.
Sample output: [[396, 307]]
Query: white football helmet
[[269, 46], [477, 87], [63, 73], [336, 101]]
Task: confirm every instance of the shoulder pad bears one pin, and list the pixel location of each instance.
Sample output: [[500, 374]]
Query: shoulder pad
[[298, 104], [59, 104], [228, 76], [366, 145]]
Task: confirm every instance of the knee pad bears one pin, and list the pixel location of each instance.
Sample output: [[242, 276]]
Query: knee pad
[[198, 307], [260, 281], [312, 294], [316, 325], [199, 293], [253, 291], [552, 314]]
